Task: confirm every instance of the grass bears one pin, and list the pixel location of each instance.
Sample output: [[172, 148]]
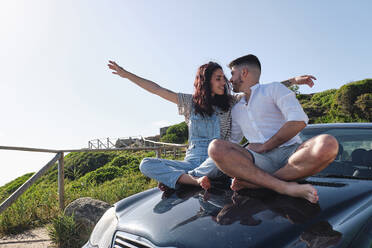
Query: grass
[[111, 179], [64, 226]]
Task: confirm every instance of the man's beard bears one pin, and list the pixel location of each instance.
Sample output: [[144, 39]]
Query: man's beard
[[236, 86]]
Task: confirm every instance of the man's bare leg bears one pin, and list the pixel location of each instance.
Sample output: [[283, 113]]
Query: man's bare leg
[[197, 181], [236, 161], [311, 157]]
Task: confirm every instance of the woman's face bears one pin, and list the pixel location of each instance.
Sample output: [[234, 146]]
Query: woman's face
[[218, 82]]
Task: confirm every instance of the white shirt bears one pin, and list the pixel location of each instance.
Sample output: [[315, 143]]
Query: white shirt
[[269, 107]]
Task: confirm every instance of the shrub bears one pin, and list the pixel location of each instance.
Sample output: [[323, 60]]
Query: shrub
[[319, 106], [351, 103], [344, 107], [171, 138], [64, 232], [178, 134], [363, 106], [125, 161], [295, 88], [80, 163], [103, 174]]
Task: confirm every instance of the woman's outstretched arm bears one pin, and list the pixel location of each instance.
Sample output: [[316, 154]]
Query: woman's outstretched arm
[[305, 79], [144, 83]]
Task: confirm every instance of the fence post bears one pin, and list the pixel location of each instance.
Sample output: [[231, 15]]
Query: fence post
[[174, 152], [158, 153], [61, 182]]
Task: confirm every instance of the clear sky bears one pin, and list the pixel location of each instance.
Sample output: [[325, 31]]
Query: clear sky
[[57, 92]]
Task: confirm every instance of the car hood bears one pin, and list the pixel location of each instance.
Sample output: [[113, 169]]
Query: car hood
[[191, 217]]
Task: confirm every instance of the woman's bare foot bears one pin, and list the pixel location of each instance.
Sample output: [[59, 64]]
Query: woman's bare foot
[[238, 184], [306, 191], [162, 186], [167, 191], [204, 182]]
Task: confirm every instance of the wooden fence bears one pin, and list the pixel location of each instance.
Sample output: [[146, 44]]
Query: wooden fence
[[159, 147]]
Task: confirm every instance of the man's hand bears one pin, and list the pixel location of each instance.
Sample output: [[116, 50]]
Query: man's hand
[[257, 147], [305, 79]]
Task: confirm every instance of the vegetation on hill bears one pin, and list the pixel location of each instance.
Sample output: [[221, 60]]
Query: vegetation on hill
[[351, 103], [108, 176], [178, 134]]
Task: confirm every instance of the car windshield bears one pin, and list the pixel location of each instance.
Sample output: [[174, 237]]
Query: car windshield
[[354, 157]]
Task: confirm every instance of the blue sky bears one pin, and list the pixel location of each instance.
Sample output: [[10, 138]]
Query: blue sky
[[56, 90]]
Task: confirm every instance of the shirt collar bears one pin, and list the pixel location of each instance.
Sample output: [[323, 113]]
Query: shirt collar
[[255, 86]]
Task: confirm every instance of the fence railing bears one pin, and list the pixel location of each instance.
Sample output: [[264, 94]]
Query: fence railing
[[105, 143], [132, 141], [59, 156]]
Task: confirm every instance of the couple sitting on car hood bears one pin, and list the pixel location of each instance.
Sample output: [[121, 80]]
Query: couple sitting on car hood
[[268, 115]]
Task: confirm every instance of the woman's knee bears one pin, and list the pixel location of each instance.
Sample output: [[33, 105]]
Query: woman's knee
[[146, 165]]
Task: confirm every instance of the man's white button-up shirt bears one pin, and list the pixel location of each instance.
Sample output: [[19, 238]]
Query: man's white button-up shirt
[[269, 107]]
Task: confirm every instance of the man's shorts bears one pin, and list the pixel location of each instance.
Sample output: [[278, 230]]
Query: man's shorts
[[275, 159]]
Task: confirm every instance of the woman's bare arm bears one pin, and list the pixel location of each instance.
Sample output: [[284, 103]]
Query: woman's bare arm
[[305, 79], [144, 83]]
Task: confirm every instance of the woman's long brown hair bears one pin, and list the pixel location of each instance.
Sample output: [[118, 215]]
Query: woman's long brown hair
[[202, 97]]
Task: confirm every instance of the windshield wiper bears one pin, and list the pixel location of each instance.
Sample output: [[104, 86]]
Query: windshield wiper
[[342, 176]]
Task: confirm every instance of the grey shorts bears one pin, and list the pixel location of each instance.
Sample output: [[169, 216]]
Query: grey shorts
[[275, 159]]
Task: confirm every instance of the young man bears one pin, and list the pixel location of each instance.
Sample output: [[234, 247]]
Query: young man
[[270, 117]]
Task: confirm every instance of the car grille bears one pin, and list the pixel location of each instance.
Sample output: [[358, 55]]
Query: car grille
[[127, 240]]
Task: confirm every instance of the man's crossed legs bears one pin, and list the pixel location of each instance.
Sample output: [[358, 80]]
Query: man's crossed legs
[[311, 157]]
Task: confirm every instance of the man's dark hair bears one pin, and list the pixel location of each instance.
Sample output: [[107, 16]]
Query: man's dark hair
[[249, 59]]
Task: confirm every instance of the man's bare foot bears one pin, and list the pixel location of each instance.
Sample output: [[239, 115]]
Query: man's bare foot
[[238, 184], [204, 182], [306, 191]]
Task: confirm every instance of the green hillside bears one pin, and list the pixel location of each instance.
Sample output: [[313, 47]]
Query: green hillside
[[108, 176], [351, 103]]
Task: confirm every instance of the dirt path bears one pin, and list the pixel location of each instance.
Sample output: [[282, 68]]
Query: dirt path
[[35, 238]]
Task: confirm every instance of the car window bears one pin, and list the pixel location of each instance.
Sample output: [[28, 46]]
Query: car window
[[355, 150]]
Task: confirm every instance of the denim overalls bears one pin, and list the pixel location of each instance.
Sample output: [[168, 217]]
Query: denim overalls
[[202, 130]]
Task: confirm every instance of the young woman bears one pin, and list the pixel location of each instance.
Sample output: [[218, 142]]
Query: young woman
[[208, 115]]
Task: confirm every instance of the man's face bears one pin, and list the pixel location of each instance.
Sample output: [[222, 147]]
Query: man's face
[[236, 79]]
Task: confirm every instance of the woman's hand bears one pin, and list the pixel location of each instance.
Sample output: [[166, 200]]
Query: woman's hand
[[144, 83], [118, 70], [305, 79]]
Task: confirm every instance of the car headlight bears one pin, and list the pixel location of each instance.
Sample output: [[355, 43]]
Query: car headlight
[[104, 230]]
